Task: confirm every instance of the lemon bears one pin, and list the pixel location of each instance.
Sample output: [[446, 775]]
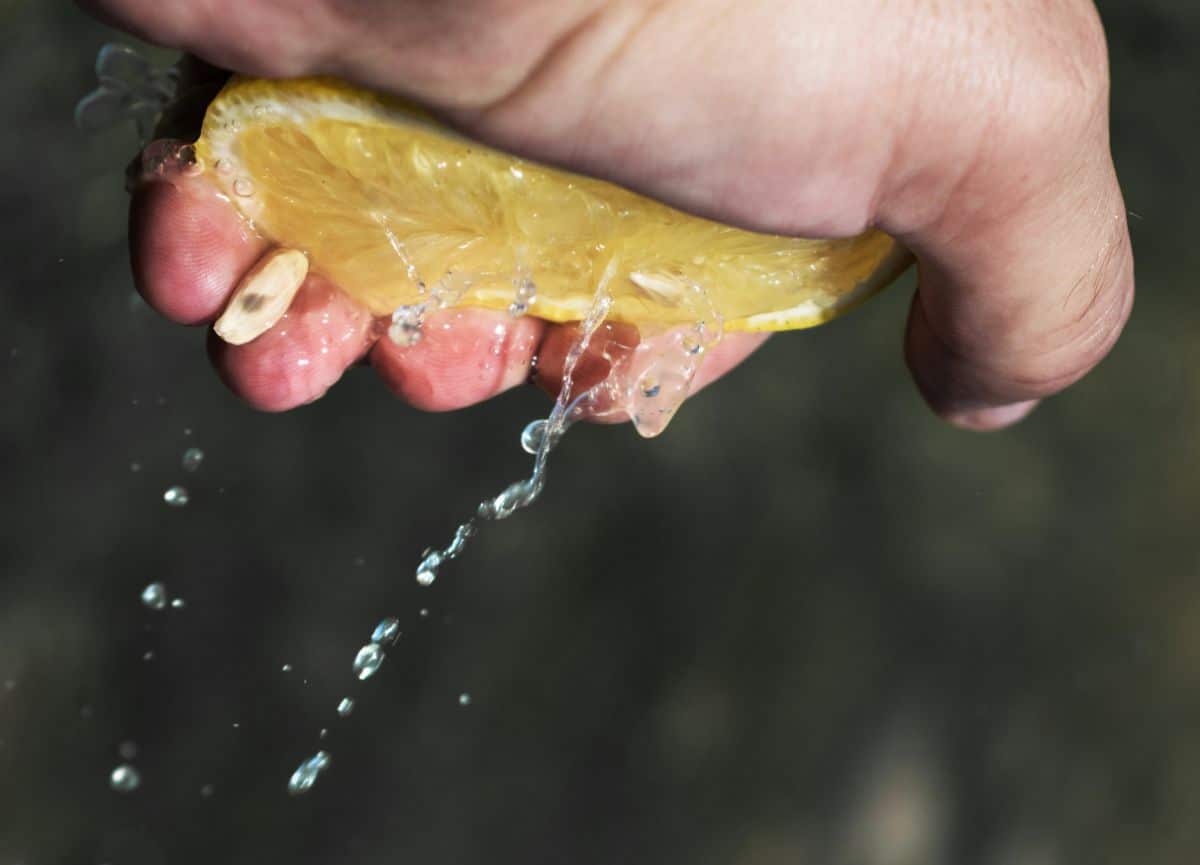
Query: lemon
[[399, 210]]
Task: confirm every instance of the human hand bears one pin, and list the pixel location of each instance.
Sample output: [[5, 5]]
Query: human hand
[[975, 133]]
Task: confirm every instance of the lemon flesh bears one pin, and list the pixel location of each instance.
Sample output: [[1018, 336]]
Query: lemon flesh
[[398, 210]]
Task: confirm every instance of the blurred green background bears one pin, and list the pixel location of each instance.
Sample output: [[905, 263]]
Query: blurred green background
[[809, 624]]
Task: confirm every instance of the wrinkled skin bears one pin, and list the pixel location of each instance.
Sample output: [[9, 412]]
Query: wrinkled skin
[[975, 132]]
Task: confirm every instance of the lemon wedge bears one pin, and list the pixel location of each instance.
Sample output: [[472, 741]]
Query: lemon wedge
[[397, 210]]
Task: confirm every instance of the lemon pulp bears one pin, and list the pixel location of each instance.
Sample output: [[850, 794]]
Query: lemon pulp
[[398, 210]]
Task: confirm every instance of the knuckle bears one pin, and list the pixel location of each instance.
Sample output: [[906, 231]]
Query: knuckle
[[1070, 352]]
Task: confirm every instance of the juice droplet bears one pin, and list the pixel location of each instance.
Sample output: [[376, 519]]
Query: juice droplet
[[427, 571], [192, 458], [124, 779], [305, 776], [243, 188], [368, 660], [224, 167], [176, 496], [387, 631], [154, 596], [532, 435], [345, 707]]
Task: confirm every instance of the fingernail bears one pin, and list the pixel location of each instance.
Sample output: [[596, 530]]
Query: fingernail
[[991, 418]]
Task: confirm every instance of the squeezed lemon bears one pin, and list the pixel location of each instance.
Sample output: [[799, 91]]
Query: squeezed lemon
[[399, 210]]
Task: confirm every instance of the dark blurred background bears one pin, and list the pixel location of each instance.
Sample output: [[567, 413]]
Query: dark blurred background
[[809, 624]]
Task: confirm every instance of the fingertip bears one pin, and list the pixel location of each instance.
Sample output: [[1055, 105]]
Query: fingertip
[[321, 335], [963, 393], [992, 418], [188, 248], [463, 356]]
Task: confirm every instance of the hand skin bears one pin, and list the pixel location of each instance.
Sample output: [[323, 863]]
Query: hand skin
[[977, 133]]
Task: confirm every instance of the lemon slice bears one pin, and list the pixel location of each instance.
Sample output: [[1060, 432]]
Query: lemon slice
[[398, 210]]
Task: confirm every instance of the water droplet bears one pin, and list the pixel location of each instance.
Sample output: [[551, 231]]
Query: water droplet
[[135, 467], [461, 535], [345, 707], [287, 668], [127, 750], [387, 631], [178, 603], [10, 684], [515, 496], [532, 435], [368, 660], [192, 458], [176, 496], [424, 613], [243, 188], [324, 732], [206, 791], [464, 699], [427, 571], [224, 167], [306, 775], [154, 596], [124, 779], [148, 655]]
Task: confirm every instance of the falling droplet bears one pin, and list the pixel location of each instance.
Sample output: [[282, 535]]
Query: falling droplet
[[135, 467], [176, 496], [178, 603], [148, 655], [127, 750], [464, 699], [532, 435], [387, 631], [287, 668], [306, 775], [206, 791], [345, 707], [424, 613], [243, 188], [124, 779], [324, 732], [427, 571], [154, 596], [192, 458], [368, 660]]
